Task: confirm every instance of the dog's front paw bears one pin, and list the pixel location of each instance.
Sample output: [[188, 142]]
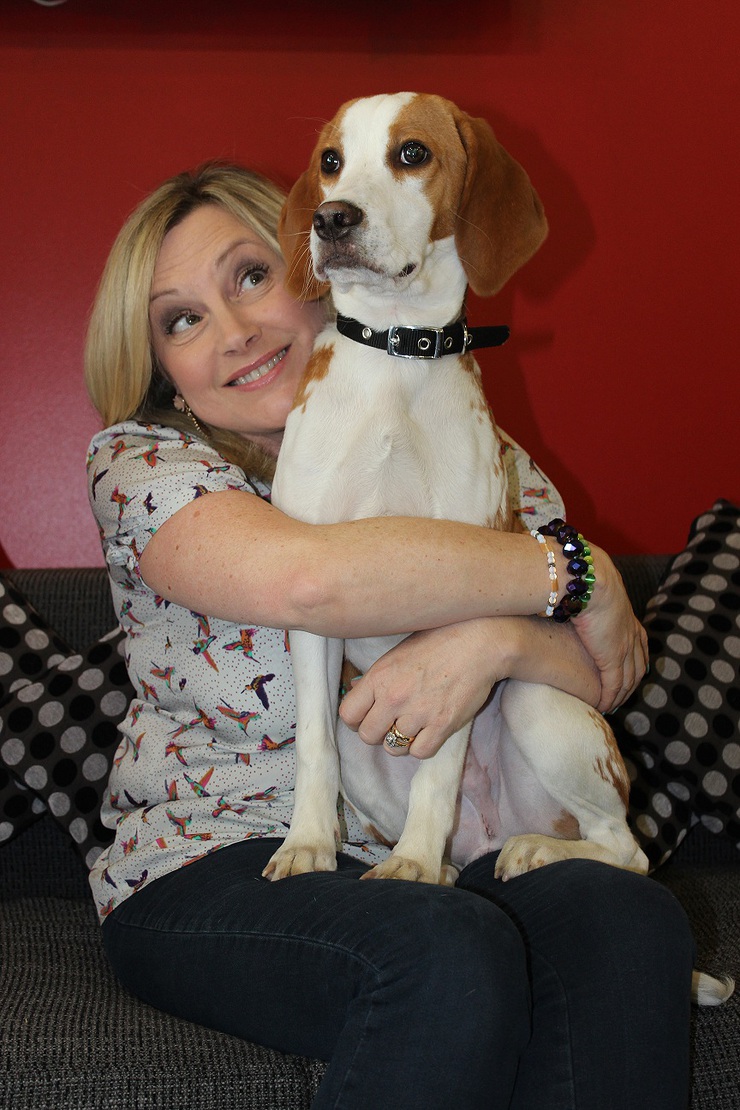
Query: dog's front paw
[[300, 860], [528, 852], [398, 867]]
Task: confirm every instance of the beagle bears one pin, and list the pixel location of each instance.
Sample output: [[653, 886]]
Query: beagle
[[406, 202]]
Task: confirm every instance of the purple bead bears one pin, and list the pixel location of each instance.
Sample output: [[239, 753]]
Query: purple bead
[[573, 547], [567, 532], [577, 587], [551, 528], [579, 567]]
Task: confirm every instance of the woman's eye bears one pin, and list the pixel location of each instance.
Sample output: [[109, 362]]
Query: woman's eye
[[180, 323], [252, 277], [413, 153]]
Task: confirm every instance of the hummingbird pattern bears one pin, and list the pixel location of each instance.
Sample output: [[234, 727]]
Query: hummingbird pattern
[[206, 756]]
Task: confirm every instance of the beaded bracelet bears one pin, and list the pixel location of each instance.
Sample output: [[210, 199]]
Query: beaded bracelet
[[581, 566], [552, 571]]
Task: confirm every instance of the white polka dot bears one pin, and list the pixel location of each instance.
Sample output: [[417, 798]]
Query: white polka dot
[[715, 783], [6, 830], [56, 660], [696, 725], [72, 739], [712, 823], [680, 561], [662, 805], [702, 603], [657, 600], [78, 829], [678, 752], [713, 582], [59, 803], [726, 561], [90, 679], [92, 856], [710, 697], [681, 645], [37, 806], [690, 623], [6, 663], [731, 755], [733, 539], [36, 776], [95, 767], [731, 645], [14, 614], [18, 684], [13, 751], [703, 522], [654, 696], [114, 704], [647, 826], [50, 714], [636, 723], [678, 790], [667, 668], [30, 693], [36, 639], [722, 670], [70, 663]]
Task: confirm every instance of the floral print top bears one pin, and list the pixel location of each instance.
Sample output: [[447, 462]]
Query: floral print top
[[206, 755]]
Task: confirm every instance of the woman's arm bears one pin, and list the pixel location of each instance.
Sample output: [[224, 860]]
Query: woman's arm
[[234, 556], [435, 681]]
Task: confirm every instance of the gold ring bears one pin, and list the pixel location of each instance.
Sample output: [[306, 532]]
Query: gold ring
[[395, 739]]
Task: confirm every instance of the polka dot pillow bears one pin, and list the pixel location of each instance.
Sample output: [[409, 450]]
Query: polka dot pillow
[[28, 647], [679, 730], [58, 736]]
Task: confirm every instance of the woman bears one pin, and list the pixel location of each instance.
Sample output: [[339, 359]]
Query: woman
[[568, 987]]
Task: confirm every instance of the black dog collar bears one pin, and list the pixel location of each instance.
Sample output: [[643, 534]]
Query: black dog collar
[[408, 341]]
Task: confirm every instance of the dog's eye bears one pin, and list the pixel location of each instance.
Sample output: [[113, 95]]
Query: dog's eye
[[413, 153], [330, 161]]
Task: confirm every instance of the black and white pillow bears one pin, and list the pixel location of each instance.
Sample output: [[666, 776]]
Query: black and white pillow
[[679, 732], [59, 733], [28, 647]]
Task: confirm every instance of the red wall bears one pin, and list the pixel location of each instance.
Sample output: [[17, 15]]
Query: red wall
[[620, 376]]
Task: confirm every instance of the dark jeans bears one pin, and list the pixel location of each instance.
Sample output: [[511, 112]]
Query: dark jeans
[[565, 988]]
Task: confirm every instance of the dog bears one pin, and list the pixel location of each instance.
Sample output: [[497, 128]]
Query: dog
[[407, 201]]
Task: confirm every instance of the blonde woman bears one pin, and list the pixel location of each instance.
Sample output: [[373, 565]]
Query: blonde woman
[[484, 995]]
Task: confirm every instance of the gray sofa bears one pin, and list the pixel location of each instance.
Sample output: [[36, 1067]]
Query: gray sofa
[[63, 1015]]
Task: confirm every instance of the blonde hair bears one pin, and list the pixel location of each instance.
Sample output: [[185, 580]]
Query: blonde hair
[[122, 376]]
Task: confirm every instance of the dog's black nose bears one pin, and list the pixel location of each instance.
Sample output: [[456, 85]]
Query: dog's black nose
[[335, 218]]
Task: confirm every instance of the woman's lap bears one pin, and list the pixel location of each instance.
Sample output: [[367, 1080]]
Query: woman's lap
[[419, 995]]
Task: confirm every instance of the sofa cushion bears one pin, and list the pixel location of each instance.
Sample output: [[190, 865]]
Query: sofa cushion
[[679, 730], [58, 735], [28, 647]]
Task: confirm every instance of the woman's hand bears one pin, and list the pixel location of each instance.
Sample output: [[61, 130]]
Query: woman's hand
[[612, 635], [431, 684]]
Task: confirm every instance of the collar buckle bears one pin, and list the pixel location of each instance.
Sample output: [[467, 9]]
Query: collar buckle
[[410, 341]]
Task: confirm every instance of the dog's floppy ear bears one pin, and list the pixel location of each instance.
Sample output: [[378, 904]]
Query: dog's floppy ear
[[294, 231], [500, 222]]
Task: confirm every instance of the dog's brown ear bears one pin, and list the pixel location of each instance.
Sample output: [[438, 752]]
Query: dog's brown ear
[[294, 231], [500, 222]]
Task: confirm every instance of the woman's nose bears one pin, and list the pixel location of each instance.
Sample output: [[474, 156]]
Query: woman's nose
[[237, 327]]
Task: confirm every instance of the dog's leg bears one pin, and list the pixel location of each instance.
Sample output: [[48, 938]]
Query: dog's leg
[[572, 751], [311, 843], [418, 854]]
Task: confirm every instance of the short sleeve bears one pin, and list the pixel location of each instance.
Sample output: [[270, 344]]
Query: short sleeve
[[534, 498], [139, 476]]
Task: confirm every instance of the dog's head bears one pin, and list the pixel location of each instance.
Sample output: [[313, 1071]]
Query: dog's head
[[396, 182]]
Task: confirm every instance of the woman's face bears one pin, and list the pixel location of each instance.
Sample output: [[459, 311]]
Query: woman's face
[[229, 337]]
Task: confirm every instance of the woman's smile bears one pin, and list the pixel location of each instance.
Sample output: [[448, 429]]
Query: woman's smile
[[250, 377]]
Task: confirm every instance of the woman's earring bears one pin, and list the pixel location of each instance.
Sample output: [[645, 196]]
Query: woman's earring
[[179, 403]]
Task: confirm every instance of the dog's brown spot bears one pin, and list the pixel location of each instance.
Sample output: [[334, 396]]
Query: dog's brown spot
[[566, 827], [610, 767], [431, 121], [316, 370], [373, 832]]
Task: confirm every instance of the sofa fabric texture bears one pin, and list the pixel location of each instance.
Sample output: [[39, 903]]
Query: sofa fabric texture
[[62, 1010]]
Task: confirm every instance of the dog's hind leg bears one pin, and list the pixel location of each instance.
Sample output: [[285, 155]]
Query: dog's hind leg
[[572, 751], [311, 843]]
